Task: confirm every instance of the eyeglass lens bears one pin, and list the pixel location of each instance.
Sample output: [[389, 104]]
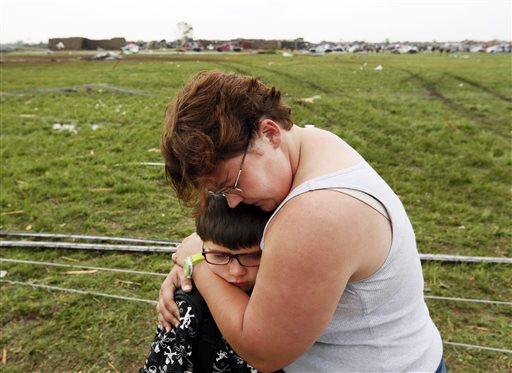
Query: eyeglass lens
[[218, 258]]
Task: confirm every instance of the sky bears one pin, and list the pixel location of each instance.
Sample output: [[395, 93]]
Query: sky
[[314, 20]]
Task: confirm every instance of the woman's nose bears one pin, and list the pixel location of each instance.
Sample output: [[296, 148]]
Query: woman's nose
[[233, 200]]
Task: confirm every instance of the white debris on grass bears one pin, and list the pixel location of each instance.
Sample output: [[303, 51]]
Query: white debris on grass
[[311, 99], [100, 104], [106, 56], [65, 127], [379, 68]]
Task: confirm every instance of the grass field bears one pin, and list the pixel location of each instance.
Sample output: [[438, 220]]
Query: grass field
[[436, 127]]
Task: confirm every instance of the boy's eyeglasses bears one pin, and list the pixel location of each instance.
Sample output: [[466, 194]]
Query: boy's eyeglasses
[[234, 189], [220, 258]]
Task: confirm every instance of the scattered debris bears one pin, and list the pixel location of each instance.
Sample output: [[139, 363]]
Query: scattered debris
[[156, 164], [404, 49], [105, 56], [100, 190], [128, 282], [16, 212], [454, 128], [311, 99], [3, 273], [509, 197], [84, 272], [286, 54], [379, 68], [96, 126], [154, 150], [499, 48], [113, 367], [28, 227], [443, 285], [27, 116], [130, 48], [324, 48], [70, 259], [100, 104], [65, 127]]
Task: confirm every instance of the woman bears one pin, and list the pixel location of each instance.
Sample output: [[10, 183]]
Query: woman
[[340, 285]]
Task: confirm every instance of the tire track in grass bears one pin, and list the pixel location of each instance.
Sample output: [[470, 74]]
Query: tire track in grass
[[292, 78], [480, 87], [434, 92]]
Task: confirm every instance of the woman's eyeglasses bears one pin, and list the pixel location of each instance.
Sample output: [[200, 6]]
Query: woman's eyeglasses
[[234, 189]]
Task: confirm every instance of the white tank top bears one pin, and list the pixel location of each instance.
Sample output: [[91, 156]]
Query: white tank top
[[381, 323]]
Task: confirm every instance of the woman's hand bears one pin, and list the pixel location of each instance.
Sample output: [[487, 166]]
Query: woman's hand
[[166, 309]]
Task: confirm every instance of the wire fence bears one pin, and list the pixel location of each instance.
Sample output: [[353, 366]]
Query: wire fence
[[153, 302], [165, 246]]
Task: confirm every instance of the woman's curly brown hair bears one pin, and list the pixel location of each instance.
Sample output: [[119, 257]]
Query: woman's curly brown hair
[[214, 118]]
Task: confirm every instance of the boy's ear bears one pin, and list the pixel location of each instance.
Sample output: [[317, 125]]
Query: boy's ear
[[271, 131]]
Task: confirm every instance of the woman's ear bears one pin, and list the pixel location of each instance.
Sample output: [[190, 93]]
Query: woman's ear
[[271, 131]]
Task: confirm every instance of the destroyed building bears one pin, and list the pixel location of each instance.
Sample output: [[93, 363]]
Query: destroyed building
[[79, 43]]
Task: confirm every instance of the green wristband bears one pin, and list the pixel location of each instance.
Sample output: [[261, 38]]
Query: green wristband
[[188, 266]]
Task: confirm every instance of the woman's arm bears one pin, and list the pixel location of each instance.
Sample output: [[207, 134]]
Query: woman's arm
[[316, 243], [166, 309]]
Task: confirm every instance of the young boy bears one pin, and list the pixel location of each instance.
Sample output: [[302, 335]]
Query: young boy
[[231, 238]]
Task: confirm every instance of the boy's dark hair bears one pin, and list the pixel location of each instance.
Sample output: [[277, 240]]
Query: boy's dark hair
[[234, 228]]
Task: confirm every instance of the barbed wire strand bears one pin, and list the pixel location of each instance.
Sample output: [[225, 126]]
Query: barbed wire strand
[[87, 246], [172, 249], [478, 347], [468, 300], [82, 267], [84, 292], [132, 299], [20, 261], [86, 237], [426, 256], [466, 259]]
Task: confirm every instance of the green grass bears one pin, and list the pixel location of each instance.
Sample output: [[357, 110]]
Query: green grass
[[436, 127]]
